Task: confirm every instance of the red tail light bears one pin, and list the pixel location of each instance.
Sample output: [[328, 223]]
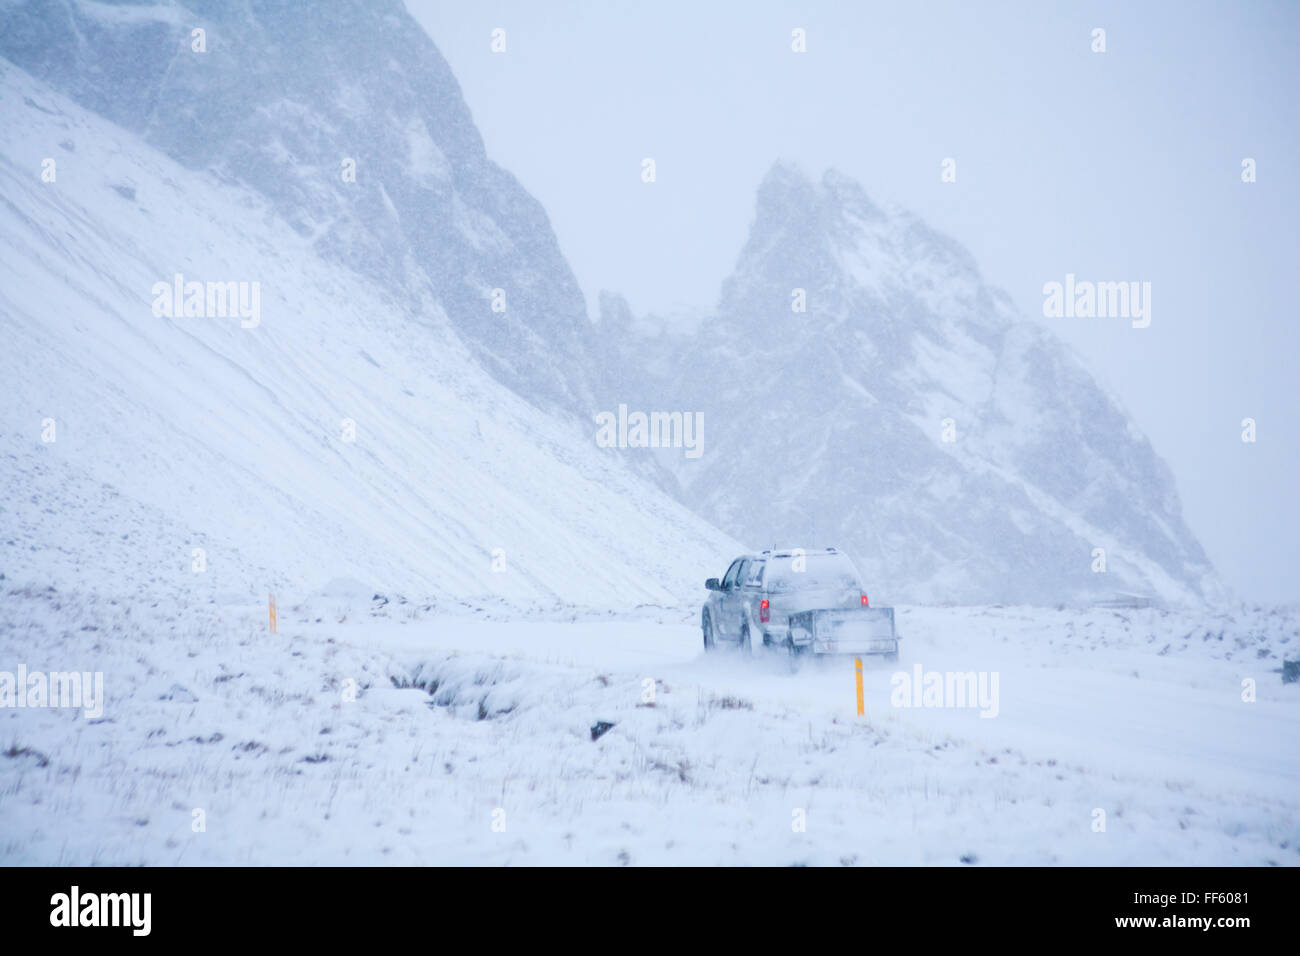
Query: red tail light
[[864, 601], [764, 611]]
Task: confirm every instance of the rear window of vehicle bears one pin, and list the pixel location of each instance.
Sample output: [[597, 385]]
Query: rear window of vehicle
[[811, 571], [755, 575]]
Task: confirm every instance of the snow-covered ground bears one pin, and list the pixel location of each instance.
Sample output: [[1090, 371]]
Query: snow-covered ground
[[468, 739]]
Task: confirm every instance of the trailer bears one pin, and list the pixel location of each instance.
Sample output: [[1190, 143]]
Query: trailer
[[856, 631]]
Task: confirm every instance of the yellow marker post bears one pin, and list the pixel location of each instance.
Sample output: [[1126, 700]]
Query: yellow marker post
[[270, 599], [857, 668]]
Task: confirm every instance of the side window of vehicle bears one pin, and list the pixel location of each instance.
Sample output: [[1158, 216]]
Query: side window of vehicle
[[755, 575], [743, 574], [729, 581]]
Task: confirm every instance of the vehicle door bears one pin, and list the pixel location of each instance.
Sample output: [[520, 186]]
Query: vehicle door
[[733, 597], [751, 593]]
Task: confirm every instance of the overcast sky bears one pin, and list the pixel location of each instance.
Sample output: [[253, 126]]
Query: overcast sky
[[1122, 165]]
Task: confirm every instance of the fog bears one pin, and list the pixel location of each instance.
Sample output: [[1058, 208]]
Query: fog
[[1122, 165]]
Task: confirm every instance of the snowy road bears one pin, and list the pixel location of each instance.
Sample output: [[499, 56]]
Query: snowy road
[[1129, 711], [400, 734]]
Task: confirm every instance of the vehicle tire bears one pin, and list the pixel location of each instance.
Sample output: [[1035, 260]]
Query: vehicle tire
[[706, 626], [746, 646]]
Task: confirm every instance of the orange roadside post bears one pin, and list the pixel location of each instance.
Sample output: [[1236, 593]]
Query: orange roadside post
[[857, 669]]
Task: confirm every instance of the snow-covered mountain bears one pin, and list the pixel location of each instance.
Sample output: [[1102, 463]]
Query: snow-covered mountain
[[959, 452], [330, 411], [347, 434], [232, 159], [283, 96]]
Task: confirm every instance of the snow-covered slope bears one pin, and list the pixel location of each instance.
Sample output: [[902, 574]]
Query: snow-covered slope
[[960, 453], [281, 98], [177, 433]]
